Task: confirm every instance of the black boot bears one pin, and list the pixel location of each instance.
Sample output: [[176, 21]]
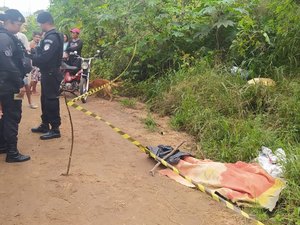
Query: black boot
[[13, 154], [43, 128], [53, 133]]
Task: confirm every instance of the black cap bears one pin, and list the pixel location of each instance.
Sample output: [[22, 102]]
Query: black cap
[[12, 15], [45, 17]]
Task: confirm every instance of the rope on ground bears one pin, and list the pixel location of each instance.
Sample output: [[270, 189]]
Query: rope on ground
[[166, 164], [72, 134], [91, 92], [146, 150]]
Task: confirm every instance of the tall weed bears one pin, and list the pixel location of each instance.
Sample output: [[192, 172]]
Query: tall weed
[[231, 120]]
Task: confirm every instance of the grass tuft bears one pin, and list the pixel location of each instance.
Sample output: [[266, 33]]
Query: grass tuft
[[129, 103], [150, 123], [231, 120]]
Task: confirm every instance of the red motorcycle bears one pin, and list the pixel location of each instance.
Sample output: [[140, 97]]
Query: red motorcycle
[[72, 76], [76, 78]]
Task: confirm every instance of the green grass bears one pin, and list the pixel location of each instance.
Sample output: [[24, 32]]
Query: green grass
[[150, 123], [232, 120], [128, 102]]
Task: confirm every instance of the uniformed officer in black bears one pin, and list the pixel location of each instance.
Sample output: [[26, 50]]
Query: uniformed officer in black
[[12, 72], [48, 58]]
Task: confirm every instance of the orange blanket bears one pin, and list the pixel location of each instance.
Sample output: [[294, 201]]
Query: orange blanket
[[242, 183]]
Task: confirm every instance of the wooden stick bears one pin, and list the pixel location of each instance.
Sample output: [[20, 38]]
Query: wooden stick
[[152, 172], [72, 140]]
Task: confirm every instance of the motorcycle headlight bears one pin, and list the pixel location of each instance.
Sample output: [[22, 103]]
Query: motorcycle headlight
[[84, 65]]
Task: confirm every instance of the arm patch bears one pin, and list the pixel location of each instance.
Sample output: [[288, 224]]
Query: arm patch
[[48, 41], [47, 47]]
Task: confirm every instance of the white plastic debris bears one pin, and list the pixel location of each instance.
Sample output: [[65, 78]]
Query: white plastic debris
[[272, 162], [239, 71]]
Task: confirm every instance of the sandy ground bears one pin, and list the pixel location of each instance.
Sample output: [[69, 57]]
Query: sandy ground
[[109, 181]]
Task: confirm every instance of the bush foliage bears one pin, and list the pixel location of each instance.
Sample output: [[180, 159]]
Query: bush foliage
[[232, 120], [185, 50]]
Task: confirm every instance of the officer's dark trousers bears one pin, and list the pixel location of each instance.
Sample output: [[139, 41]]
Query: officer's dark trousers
[[9, 123], [50, 82]]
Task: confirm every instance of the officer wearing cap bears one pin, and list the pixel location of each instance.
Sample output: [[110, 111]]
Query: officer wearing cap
[[12, 72], [48, 58]]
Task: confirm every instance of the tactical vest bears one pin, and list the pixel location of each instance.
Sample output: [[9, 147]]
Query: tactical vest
[[61, 41], [19, 55]]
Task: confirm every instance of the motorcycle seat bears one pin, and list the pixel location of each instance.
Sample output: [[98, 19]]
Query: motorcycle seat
[[65, 66]]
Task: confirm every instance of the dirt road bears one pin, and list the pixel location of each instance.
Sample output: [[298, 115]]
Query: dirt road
[[109, 181]]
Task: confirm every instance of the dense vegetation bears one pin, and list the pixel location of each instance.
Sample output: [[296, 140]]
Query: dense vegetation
[[185, 51]]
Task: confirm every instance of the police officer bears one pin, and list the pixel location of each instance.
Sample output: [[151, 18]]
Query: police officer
[[12, 72], [48, 58]]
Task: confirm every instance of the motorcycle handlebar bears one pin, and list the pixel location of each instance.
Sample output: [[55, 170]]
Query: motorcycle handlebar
[[95, 56], [73, 53]]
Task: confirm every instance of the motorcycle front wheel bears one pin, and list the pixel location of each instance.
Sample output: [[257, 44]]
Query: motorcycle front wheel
[[83, 88]]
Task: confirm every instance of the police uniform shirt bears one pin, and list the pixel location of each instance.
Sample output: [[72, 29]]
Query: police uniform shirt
[[10, 73], [50, 51], [7, 48]]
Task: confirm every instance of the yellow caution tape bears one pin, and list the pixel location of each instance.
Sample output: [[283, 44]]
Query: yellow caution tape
[[147, 151], [95, 90]]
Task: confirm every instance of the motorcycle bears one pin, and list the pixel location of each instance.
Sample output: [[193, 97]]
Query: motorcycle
[[76, 78]]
